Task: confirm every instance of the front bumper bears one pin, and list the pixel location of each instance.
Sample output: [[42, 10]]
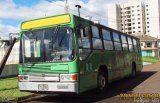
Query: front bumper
[[49, 86]]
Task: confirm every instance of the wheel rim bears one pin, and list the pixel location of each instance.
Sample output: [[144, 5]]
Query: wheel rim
[[102, 82]]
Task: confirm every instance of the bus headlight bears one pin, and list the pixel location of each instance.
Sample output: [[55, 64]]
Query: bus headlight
[[23, 77], [68, 77]]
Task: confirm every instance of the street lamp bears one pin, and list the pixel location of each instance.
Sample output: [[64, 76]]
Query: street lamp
[[78, 6]]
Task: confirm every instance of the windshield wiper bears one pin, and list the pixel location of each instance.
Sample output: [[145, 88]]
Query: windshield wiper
[[54, 42]]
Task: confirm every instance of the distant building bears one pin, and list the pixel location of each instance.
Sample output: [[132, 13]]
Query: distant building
[[149, 45], [114, 16], [135, 17], [11, 66]]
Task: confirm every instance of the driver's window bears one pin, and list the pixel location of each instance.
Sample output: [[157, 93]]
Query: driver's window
[[84, 43], [83, 40]]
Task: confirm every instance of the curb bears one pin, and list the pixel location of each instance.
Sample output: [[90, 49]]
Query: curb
[[28, 98], [15, 99], [22, 99]]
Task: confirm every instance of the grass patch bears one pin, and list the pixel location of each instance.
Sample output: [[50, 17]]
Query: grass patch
[[151, 59], [9, 88], [13, 93], [8, 83]]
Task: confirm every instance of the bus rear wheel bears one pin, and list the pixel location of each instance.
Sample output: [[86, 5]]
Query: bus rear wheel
[[102, 81], [133, 70]]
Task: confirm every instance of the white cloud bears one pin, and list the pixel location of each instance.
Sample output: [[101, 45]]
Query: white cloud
[[12, 11], [9, 10], [6, 29]]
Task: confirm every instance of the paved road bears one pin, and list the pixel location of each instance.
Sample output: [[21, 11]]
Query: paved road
[[148, 81]]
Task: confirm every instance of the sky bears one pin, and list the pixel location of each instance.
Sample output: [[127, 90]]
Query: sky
[[13, 12]]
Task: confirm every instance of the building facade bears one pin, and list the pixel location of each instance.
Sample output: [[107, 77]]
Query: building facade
[[11, 66], [114, 16], [149, 45], [14, 55], [135, 17], [152, 17]]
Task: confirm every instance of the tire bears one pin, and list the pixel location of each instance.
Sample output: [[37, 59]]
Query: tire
[[134, 73], [102, 81]]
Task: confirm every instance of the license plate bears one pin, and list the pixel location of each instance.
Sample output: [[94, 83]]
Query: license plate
[[42, 87]]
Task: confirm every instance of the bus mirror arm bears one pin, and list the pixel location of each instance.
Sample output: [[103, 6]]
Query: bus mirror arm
[[73, 52]]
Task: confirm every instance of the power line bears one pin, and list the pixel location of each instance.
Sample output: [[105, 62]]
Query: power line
[[87, 12], [68, 8], [97, 14]]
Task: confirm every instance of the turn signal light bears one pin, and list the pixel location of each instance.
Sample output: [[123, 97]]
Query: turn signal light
[[68, 77], [74, 77]]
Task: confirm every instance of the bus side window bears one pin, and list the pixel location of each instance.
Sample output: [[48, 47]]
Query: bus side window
[[83, 39], [130, 44], [124, 43], [108, 44], [84, 43], [135, 45], [117, 43], [96, 40], [138, 45]]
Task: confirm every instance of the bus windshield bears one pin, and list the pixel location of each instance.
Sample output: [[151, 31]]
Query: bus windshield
[[47, 45]]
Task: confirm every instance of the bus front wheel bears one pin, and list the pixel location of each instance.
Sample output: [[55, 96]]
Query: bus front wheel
[[102, 81]]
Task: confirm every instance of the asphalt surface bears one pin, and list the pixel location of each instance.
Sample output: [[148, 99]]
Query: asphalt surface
[[148, 81]]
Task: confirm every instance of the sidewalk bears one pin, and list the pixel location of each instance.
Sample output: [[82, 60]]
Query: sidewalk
[[146, 63], [151, 83]]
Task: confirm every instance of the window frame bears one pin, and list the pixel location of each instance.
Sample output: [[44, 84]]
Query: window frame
[[89, 50], [100, 38], [150, 45], [135, 45], [81, 47], [104, 39], [125, 42], [130, 44], [113, 32]]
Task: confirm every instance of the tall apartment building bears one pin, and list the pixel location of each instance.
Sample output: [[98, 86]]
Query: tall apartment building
[[114, 16], [152, 14], [135, 17]]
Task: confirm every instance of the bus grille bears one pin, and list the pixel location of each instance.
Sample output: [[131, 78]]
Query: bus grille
[[42, 70], [44, 77]]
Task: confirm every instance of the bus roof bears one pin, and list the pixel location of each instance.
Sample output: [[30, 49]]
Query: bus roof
[[103, 26], [60, 19]]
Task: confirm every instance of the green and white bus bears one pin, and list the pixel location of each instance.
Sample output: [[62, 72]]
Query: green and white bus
[[69, 54]]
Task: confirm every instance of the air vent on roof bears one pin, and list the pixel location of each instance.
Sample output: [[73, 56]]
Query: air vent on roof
[[88, 17], [97, 21]]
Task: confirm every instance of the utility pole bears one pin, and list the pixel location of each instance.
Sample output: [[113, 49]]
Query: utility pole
[[11, 36], [78, 7], [66, 7]]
